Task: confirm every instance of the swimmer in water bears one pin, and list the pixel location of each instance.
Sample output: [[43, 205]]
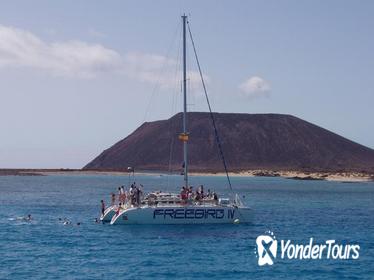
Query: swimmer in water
[[28, 218]]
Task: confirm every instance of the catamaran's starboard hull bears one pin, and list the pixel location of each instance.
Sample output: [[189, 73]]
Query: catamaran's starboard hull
[[170, 215]]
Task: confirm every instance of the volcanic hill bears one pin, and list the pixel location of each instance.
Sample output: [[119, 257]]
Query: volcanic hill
[[249, 141]]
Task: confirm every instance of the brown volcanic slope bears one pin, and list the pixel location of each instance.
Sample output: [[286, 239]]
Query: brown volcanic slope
[[249, 141]]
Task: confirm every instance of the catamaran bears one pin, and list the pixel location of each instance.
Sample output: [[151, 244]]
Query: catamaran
[[172, 208]]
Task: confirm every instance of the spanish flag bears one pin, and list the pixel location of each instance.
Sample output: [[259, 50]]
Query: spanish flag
[[183, 137]]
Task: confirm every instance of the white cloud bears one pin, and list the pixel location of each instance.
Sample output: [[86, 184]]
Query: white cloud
[[151, 68], [76, 59], [20, 48], [255, 87], [158, 69]]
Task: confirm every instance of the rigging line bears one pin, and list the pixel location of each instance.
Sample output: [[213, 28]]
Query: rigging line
[[210, 109], [157, 83], [190, 85], [173, 110]]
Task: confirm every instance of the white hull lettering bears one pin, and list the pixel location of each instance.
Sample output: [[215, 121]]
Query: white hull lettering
[[230, 213], [192, 213]]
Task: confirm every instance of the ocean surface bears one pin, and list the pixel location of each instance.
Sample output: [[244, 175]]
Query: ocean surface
[[294, 210]]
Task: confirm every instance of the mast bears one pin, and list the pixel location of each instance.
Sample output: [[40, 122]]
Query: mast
[[185, 134]]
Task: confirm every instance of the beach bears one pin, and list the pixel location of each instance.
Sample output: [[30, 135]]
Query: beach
[[295, 175]]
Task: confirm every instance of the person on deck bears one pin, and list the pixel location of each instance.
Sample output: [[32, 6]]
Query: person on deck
[[197, 196], [123, 194], [141, 188], [119, 208], [215, 198], [184, 195], [201, 190], [132, 194], [189, 194], [137, 196], [102, 207], [209, 194], [125, 197], [119, 194]]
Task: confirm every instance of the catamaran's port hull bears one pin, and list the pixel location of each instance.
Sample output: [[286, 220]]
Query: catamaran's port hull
[[108, 214], [183, 215]]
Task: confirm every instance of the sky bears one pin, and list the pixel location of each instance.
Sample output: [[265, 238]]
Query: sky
[[78, 76]]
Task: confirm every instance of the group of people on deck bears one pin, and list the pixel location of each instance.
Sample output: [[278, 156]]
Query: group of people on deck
[[187, 194], [133, 196]]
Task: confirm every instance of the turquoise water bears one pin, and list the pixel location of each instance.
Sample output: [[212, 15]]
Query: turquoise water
[[296, 210]]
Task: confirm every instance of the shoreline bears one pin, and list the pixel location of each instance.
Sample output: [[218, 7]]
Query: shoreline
[[294, 175], [300, 175]]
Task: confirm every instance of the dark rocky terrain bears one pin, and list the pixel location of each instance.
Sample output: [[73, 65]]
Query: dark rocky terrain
[[249, 141]]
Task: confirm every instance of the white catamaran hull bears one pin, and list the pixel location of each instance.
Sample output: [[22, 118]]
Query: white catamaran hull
[[183, 215], [108, 214]]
